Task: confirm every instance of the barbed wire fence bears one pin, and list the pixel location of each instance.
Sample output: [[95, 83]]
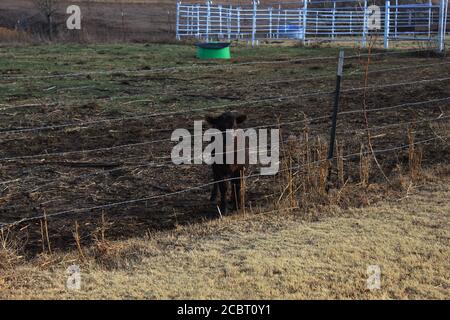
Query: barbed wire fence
[[441, 102], [202, 186]]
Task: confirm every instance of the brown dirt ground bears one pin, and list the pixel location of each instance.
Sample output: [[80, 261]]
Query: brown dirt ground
[[35, 193]]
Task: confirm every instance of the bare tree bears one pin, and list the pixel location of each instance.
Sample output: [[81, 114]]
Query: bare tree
[[48, 9]]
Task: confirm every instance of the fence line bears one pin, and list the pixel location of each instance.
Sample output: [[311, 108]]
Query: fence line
[[208, 66], [399, 124], [166, 163], [279, 98], [168, 139], [132, 201], [233, 104], [177, 93], [305, 21], [169, 69], [408, 104], [390, 85]]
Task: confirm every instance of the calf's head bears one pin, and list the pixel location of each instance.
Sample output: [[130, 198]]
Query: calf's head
[[227, 120]]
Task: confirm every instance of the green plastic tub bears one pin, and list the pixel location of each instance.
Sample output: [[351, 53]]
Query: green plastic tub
[[213, 50]]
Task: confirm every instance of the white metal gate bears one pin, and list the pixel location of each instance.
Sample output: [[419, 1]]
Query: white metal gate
[[339, 20]]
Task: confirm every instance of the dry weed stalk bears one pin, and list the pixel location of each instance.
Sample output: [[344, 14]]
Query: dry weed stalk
[[323, 167], [42, 236], [340, 164], [100, 234], [4, 239], [364, 167], [290, 183], [287, 199], [414, 157], [76, 235], [307, 152], [243, 190], [366, 119], [312, 179], [8, 250], [45, 238], [292, 149], [103, 250], [103, 227]]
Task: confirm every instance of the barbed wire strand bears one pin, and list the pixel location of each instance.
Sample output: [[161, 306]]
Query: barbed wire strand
[[177, 93], [279, 98], [194, 66]]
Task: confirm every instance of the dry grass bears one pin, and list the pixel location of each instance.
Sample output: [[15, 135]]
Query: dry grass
[[8, 35], [265, 256], [414, 157], [9, 256]]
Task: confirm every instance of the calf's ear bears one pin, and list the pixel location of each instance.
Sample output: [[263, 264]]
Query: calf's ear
[[241, 118], [211, 120]]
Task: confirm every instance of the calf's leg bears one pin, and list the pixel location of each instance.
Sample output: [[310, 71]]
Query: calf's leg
[[236, 191], [214, 192], [216, 176]]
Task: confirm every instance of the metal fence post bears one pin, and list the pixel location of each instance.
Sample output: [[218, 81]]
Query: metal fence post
[[229, 21], [386, 23], [192, 19], [364, 33], [238, 33], [208, 18], [317, 22], [188, 19], [278, 20], [335, 107], [192, 12], [396, 18], [177, 27], [334, 115], [270, 22], [219, 7], [429, 19], [351, 23], [285, 23], [444, 24], [305, 16], [333, 21], [255, 7], [198, 21], [442, 27]]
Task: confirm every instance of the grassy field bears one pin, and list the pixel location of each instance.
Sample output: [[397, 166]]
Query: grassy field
[[268, 256], [87, 126]]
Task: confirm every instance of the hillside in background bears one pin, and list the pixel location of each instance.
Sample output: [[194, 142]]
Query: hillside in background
[[142, 20], [103, 20]]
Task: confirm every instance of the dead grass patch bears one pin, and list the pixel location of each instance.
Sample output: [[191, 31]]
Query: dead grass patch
[[268, 256]]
